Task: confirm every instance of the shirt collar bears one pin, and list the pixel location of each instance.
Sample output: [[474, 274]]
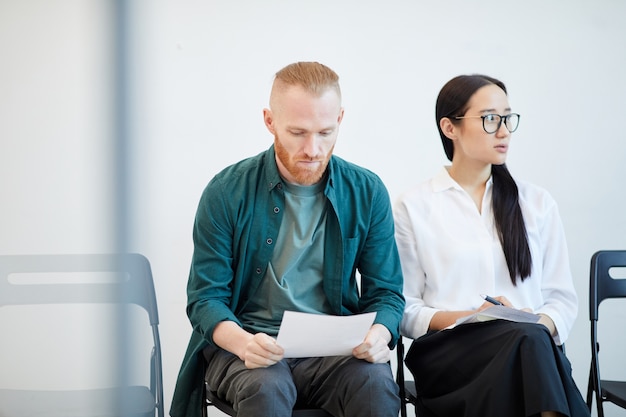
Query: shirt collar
[[272, 177], [443, 181]]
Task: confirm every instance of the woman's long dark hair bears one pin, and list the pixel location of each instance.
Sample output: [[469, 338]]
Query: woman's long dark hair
[[453, 101]]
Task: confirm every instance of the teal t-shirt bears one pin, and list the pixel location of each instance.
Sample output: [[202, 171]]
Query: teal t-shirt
[[294, 278]]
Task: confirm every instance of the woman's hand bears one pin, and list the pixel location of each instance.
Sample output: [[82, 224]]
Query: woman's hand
[[501, 299], [545, 320]]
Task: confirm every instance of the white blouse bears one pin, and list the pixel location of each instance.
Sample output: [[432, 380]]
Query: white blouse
[[450, 254]]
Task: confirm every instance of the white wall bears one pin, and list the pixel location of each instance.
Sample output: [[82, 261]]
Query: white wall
[[55, 126], [200, 76]]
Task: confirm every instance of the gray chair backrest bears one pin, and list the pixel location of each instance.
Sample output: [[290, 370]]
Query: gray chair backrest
[[132, 282], [117, 279]]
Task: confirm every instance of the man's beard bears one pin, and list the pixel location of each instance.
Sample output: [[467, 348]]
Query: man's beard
[[300, 175]]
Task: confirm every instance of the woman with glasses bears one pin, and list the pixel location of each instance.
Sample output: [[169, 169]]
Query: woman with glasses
[[473, 230]]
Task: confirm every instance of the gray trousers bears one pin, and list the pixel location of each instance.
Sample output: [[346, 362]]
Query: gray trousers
[[342, 385]]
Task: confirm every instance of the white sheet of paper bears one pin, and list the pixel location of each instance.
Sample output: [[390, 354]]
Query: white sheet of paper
[[312, 335], [500, 312]]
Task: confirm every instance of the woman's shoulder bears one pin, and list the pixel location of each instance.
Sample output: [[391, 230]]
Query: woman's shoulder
[[535, 195], [419, 192], [427, 188]]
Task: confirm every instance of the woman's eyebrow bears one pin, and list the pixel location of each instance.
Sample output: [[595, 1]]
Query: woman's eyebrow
[[508, 109]]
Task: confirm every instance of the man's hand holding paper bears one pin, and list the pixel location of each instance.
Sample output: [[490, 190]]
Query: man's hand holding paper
[[315, 335], [375, 347]]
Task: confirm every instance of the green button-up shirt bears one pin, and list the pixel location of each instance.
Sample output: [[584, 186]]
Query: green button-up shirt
[[237, 222]]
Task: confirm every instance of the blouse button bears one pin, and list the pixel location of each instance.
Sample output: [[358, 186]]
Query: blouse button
[[276, 210], [258, 270], [269, 241]]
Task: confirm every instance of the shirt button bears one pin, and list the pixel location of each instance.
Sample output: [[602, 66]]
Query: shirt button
[[279, 186], [258, 270], [276, 210], [269, 241]]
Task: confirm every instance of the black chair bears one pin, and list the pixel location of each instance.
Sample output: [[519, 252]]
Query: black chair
[[408, 393], [604, 285], [210, 399], [95, 293]]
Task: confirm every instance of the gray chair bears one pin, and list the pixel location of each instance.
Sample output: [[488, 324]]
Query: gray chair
[[604, 285], [119, 284]]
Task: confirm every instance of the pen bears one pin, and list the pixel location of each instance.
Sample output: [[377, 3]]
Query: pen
[[491, 300]]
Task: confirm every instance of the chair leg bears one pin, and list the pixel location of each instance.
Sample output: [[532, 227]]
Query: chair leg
[[204, 405], [400, 376], [590, 388]]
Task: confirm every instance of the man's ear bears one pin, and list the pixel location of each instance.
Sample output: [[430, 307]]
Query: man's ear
[[268, 118], [447, 128]]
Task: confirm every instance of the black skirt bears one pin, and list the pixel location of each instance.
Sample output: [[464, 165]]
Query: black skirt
[[496, 368]]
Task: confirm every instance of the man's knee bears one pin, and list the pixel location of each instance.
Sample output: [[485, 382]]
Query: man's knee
[[373, 391], [371, 382], [264, 383], [264, 389]]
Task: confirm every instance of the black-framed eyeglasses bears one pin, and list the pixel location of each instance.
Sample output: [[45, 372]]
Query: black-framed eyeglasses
[[492, 121]]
